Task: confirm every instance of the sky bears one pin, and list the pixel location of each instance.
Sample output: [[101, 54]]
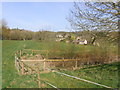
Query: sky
[[36, 16]]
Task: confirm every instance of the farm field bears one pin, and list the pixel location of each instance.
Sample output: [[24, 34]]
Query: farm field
[[106, 74]]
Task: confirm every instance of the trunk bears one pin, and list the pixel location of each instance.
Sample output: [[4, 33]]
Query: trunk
[[93, 40]]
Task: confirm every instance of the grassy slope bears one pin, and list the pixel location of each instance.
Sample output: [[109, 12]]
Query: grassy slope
[[10, 78], [106, 74]]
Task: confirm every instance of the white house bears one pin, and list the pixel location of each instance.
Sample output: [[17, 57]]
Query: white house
[[81, 41], [85, 42], [59, 36]]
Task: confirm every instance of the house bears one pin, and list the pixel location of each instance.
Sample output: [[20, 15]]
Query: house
[[85, 42], [80, 40], [61, 37]]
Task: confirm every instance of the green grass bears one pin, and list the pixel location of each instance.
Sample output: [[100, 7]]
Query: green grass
[[61, 81], [10, 77], [106, 74]]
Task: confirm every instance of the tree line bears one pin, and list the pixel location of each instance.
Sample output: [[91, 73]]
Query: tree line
[[92, 36], [21, 34]]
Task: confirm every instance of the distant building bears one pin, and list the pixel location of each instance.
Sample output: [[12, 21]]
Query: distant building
[[81, 41], [61, 37], [85, 42]]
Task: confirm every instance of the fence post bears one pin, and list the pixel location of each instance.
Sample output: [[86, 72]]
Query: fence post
[[76, 64], [44, 65], [63, 62], [17, 63], [38, 74], [15, 60], [30, 71], [22, 68]]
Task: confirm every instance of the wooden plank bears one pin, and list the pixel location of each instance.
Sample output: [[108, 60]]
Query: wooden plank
[[51, 60], [39, 50], [61, 60], [32, 60], [33, 50]]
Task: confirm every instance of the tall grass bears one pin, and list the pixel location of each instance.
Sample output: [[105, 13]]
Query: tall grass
[[86, 54]]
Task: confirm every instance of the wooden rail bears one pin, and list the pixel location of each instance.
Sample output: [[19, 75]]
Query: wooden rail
[[41, 60], [33, 50]]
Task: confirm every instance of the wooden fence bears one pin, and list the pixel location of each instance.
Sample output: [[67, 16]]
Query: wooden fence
[[23, 67]]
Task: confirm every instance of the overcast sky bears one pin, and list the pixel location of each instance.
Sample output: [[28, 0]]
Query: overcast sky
[[37, 15]]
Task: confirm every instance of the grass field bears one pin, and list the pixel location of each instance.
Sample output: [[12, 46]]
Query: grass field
[[106, 74]]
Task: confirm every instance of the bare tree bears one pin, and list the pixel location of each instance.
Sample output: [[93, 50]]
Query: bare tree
[[95, 16], [5, 30]]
